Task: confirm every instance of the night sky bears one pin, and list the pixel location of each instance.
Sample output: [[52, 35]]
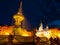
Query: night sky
[[47, 11]]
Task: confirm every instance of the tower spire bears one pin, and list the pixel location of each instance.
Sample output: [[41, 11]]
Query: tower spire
[[20, 9], [41, 27]]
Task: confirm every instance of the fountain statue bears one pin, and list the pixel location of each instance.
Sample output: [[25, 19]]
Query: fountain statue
[[19, 16]]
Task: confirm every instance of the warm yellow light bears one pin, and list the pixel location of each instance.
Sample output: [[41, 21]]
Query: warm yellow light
[[7, 33], [59, 35], [25, 35], [23, 32], [18, 19], [47, 34], [39, 34]]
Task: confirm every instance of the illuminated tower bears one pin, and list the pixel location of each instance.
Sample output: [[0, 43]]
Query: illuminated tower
[[47, 27], [41, 27], [19, 16], [39, 32]]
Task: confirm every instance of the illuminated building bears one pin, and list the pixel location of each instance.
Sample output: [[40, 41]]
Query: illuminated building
[[52, 32], [16, 29], [39, 32], [6, 30], [19, 29]]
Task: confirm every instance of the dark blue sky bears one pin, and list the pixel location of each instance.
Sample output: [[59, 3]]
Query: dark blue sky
[[34, 10]]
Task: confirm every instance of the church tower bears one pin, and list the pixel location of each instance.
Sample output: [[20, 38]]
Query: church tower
[[47, 27], [41, 27]]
